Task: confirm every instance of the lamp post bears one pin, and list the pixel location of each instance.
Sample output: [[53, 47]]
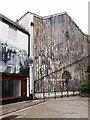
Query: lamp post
[[31, 85], [31, 59]]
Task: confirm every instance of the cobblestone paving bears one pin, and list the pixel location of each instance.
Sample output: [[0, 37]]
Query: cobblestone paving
[[69, 107]]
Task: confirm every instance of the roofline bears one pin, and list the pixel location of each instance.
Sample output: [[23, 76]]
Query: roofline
[[76, 24], [8, 21], [53, 15], [43, 17], [65, 13], [29, 13]]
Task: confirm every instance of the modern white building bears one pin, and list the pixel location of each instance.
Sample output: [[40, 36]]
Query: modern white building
[[14, 53]]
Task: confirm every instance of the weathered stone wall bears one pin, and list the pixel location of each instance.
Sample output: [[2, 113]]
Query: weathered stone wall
[[38, 37], [59, 46]]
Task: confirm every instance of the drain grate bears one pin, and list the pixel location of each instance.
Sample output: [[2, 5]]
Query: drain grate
[[10, 117]]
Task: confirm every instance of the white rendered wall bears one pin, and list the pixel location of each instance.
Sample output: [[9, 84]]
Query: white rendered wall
[[25, 22], [3, 31], [20, 40]]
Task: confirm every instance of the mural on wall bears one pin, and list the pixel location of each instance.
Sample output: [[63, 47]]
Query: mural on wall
[[13, 54], [13, 60]]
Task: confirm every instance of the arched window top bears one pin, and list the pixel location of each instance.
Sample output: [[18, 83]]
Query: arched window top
[[66, 75]]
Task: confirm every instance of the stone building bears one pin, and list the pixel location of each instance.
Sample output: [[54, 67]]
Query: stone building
[[60, 50]]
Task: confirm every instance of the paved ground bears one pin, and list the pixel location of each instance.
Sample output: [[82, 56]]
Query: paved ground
[[8, 108], [68, 107]]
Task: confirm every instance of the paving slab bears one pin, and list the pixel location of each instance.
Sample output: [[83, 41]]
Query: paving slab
[[9, 108], [60, 108]]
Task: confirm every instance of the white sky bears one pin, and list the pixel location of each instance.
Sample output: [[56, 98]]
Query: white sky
[[77, 9]]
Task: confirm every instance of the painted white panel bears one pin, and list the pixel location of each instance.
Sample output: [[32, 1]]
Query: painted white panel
[[19, 39], [22, 41], [3, 32], [27, 87]]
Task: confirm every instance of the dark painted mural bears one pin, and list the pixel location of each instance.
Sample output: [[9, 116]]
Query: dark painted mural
[[13, 59]]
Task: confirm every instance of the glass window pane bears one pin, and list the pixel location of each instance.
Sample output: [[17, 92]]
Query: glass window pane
[[17, 88], [10, 88], [4, 88]]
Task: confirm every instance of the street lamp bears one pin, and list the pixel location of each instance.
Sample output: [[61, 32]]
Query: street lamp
[[30, 62]]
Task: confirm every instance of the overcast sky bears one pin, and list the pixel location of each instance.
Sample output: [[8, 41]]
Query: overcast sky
[[77, 9]]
